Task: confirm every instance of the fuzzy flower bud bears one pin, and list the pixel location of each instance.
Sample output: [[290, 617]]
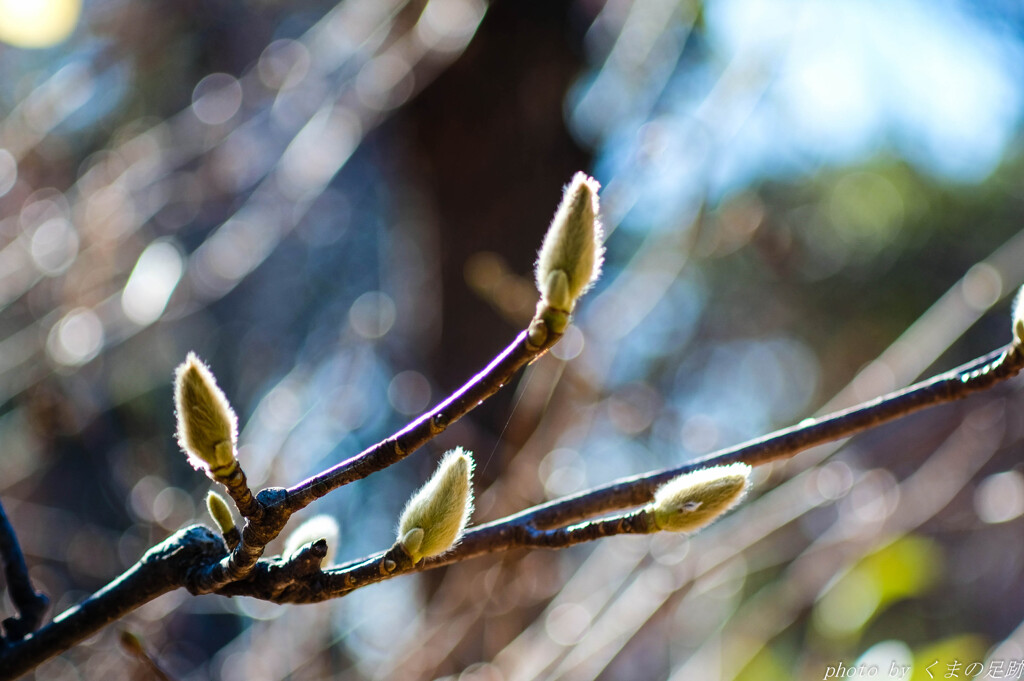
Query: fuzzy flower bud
[[436, 515], [694, 500], [570, 258], [220, 512], [318, 527], [1018, 318], [207, 426]]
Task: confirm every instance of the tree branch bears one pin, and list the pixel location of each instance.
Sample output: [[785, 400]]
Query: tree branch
[[238, 489], [528, 346], [133, 645], [268, 512], [185, 557], [568, 264], [257, 532], [557, 524], [31, 604], [974, 376], [343, 580], [163, 568]]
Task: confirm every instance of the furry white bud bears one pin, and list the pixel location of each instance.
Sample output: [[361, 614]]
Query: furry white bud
[[694, 500], [570, 258], [436, 515], [207, 426]]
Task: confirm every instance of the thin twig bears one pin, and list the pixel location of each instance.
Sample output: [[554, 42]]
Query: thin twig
[[277, 504], [31, 604], [133, 646], [244, 556], [338, 582], [921, 495], [523, 350], [176, 561], [238, 489], [550, 525], [974, 376]]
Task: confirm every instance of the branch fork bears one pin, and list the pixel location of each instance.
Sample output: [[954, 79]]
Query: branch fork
[[682, 498]]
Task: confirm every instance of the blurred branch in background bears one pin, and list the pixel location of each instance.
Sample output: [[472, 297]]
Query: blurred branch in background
[[30, 604], [300, 192]]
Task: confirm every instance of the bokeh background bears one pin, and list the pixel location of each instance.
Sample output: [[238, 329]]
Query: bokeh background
[[338, 205]]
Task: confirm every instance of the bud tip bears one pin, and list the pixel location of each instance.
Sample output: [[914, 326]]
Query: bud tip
[[220, 512], [318, 527]]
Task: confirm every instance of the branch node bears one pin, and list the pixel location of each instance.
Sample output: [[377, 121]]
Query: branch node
[[536, 335], [307, 560], [237, 486]]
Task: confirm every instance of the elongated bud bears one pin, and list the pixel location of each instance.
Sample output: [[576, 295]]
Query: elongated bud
[[694, 500], [1018, 318], [318, 527], [570, 259], [207, 426], [220, 512], [436, 515]]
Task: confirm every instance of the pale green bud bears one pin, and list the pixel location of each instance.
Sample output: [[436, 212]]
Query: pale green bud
[[694, 500], [1018, 318], [436, 515], [570, 258], [413, 540], [318, 527], [220, 512], [207, 426]]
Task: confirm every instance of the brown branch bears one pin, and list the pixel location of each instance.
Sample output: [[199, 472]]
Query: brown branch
[[232, 538], [133, 645], [974, 376], [163, 568], [276, 585], [550, 525], [633, 522], [269, 511], [238, 489], [31, 604], [186, 556], [257, 532], [277, 579], [528, 346]]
